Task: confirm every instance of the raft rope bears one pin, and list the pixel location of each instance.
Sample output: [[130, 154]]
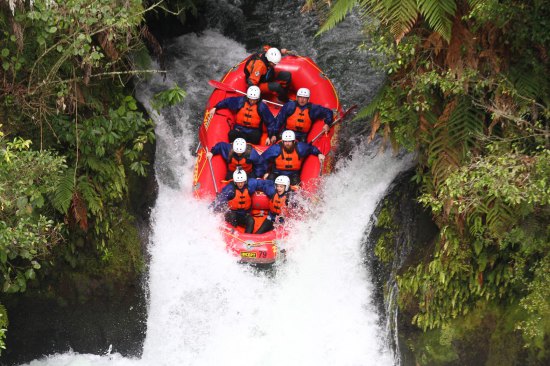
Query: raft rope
[[255, 244]]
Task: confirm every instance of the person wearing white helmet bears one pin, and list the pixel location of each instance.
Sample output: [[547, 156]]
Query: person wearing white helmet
[[250, 117], [287, 157], [236, 198], [300, 115], [279, 194], [260, 70], [237, 155]]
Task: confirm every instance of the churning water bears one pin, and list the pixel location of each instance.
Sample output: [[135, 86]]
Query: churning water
[[206, 309]]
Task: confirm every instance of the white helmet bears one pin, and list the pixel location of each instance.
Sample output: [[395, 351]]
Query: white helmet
[[303, 92], [253, 92], [239, 145], [284, 180], [288, 135], [273, 55], [239, 176]]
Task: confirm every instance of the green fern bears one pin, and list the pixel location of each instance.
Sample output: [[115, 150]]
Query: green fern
[[369, 110], [499, 216], [93, 200], [97, 165], [465, 124], [528, 83], [337, 13], [439, 14], [474, 3], [63, 194], [399, 15], [402, 15]]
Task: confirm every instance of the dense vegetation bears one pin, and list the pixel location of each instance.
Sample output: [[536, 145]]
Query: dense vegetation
[[71, 137], [468, 85]]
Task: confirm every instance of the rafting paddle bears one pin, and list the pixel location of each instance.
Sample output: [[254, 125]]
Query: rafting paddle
[[219, 85], [344, 115], [204, 139]]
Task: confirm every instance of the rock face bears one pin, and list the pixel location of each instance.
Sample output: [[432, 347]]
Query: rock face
[[400, 232], [114, 320]]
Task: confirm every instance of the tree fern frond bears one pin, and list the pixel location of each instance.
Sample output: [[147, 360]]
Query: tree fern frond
[[439, 15], [427, 121], [371, 108], [443, 154], [63, 194], [474, 3], [499, 216], [92, 198], [97, 165], [465, 123], [440, 139], [529, 84], [337, 13], [442, 166], [402, 16]]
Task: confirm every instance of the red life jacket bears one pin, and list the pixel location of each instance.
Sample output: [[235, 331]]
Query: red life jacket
[[278, 203], [241, 201], [299, 120], [248, 116], [234, 161], [286, 161]]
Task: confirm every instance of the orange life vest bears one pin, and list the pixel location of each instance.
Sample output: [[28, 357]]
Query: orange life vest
[[241, 201], [286, 161], [278, 203], [248, 116], [299, 120], [234, 161], [256, 69]]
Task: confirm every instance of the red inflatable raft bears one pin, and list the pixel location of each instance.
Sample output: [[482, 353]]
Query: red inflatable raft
[[208, 180]]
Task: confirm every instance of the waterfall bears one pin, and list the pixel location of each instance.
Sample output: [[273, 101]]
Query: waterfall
[[207, 309]]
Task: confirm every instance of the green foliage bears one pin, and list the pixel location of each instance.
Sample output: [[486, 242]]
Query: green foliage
[[439, 15], [486, 336], [3, 326], [337, 13], [27, 180], [535, 326], [435, 347], [168, 97], [489, 249], [71, 84], [107, 148], [121, 259], [63, 194], [398, 15], [385, 247]]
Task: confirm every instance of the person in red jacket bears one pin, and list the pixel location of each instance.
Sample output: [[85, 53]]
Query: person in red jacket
[[259, 70], [251, 115]]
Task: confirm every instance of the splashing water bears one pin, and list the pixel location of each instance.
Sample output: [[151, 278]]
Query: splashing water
[[206, 309]]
